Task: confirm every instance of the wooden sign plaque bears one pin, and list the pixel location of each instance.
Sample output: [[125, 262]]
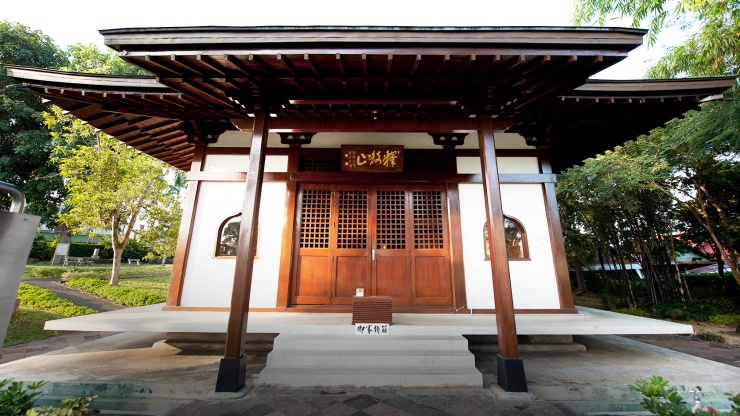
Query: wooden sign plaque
[[380, 158]]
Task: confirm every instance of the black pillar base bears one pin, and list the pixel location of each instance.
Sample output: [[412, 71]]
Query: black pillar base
[[232, 374], [510, 373]]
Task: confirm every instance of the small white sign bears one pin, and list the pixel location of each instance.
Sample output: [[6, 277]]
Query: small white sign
[[372, 329], [360, 292]]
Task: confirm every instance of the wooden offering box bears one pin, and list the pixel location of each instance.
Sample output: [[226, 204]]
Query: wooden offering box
[[372, 309]]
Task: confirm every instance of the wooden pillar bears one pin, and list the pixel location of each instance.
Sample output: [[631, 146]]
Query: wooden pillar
[[186, 230], [286, 253], [233, 368], [556, 235], [509, 366]]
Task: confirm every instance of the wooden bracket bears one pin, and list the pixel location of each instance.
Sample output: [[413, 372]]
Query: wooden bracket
[[296, 139], [448, 140], [203, 131]]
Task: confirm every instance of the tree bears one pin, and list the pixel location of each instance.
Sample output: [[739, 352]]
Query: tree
[[109, 187], [88, 58], [25, 144], [163, 222], [712, 48]]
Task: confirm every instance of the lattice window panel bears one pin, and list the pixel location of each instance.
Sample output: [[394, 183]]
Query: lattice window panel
[[352, 220], [428, 220], [391, 220], [315, 218], [319, 165]]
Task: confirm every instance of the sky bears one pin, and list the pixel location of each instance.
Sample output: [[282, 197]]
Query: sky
[[78, 21]]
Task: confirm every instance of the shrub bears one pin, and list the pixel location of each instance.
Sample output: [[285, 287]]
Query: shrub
[[659, 399], [121, 295], [17, 398], [49, 271], [710, 337], [635, 312], [42, 299], [725, 318], [699, 309], [42, 248], [84, 249]]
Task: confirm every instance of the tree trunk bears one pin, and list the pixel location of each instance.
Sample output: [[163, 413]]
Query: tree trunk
[[64, 237], [579, 274], [115, 270]]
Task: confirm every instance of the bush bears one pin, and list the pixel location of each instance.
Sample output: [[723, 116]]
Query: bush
[[42, 249], [725, 318], [17, 398], [635, 312], [659, 399], [126, 296], [45, 300], [699, 309], [710, 337], [84, 249]]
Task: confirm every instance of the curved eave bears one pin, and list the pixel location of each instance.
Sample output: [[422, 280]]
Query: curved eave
[[220, 36]]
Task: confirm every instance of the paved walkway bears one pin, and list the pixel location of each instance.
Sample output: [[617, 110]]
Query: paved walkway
[[73, 295], [359, 402]]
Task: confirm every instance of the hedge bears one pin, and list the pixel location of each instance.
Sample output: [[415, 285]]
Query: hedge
[[45, 300], [121, 295]]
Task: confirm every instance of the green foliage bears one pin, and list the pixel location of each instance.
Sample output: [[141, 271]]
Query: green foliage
[[88, 58], [712, 47], [635, 312], [710, 337], [16, 398], [725, 318], [25, 144], [698, 309], [84, 249], [121, 295], [79, 406], [109, 187], [42, 249], [659, 399], [27, 325], [42, 299]]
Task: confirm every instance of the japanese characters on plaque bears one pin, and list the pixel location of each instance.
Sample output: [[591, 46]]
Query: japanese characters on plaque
[[380, 158], [372, 329]]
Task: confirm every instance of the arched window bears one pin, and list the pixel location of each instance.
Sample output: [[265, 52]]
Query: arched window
[[228, 236], [516, 240]]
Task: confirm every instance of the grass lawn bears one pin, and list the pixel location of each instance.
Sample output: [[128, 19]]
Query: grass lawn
[[98, 271], [28, 325]]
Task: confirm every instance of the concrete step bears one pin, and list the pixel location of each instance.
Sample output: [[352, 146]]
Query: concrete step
[[369, 358], [370, 361], [346, 342], [396, 376]]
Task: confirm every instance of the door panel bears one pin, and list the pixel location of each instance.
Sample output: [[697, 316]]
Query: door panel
[[389, 240], [392, 278], [431, 281], [313, 287], [351, 272]]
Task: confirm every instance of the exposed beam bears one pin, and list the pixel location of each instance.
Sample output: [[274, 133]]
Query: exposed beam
[[399, 126]]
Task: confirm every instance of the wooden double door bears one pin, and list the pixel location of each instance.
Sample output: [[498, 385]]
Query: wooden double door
[[388, 240]]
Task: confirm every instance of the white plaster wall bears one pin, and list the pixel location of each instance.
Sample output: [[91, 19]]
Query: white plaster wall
[[471, 165], [240, 163], [533, 282], [208, 279]]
